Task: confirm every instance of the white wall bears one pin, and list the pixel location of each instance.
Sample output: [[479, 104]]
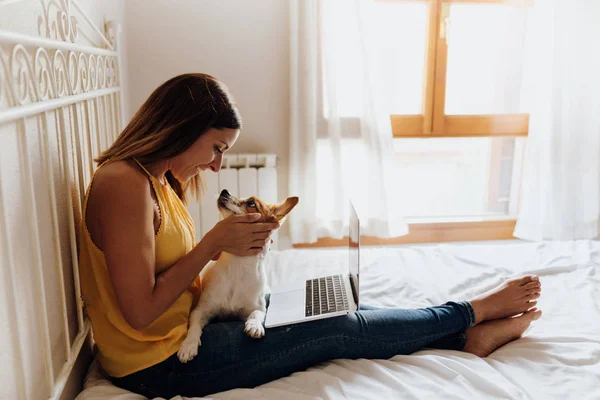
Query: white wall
[[243, 43]]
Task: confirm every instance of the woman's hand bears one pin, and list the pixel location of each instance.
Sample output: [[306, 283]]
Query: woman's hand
[[242, 235]]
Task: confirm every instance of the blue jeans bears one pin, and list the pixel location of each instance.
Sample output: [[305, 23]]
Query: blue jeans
[[229, 359]]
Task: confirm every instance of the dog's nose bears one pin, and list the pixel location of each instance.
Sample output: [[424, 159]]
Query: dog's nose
[[225, 193]]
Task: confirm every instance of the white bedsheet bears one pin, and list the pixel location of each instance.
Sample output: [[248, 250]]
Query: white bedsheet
[[557, 358]]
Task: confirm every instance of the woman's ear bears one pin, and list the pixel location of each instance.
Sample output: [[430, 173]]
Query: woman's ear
[[283, 209]]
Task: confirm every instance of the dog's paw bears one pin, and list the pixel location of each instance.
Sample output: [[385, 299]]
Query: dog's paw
[[254, 329], [188, 349]]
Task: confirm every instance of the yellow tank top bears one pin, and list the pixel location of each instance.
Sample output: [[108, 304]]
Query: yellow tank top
[[123, 350]]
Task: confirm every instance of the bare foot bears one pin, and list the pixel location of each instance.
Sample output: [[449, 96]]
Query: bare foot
[[513, 297], [484, 339]]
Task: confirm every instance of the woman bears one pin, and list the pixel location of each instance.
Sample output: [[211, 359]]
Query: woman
[[139, 267]]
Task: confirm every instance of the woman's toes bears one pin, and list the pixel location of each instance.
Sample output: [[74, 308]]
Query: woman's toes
[[510, 298], [533, 295], [526, 308], [528, 279], [534, 313], [533, 285]]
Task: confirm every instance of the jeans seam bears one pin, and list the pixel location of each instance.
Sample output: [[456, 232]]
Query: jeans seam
[[146, 389]]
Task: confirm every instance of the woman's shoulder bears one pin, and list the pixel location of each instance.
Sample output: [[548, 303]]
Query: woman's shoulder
[[121, 176], [119, 192]]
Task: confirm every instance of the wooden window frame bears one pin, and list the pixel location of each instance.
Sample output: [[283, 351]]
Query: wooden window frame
[[432, 232], [433, 122]]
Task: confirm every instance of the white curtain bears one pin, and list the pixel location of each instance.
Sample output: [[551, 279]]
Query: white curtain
[[561, 191], [341, 141]]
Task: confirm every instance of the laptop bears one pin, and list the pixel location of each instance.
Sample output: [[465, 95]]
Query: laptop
[[322, 297]]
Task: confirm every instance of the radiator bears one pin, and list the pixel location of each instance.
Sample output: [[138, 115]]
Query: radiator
[[243, 175]]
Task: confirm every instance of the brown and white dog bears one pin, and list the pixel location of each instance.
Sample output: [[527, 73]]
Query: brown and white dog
[[234, 286]]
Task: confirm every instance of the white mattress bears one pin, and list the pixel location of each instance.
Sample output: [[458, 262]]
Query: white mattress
[[558, 357]]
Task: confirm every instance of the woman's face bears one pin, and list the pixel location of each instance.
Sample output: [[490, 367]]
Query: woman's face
[[206, 153]]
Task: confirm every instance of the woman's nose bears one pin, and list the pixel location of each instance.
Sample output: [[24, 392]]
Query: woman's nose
[[215, 165]]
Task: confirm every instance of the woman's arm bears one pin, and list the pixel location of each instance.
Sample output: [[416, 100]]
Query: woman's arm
[[124, 212]]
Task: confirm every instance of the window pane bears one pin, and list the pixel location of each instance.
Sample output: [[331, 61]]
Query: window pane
[[486, 59], [402, 34], [400, 30], [436, 178], [458, 177]]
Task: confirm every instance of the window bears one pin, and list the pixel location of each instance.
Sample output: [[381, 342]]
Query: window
[[461, 62], [458, 179], [454, 74]]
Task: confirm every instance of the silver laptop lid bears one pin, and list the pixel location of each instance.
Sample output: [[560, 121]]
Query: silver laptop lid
[[354, 250]]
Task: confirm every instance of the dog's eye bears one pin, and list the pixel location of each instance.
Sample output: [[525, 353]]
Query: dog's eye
[[251, 203]]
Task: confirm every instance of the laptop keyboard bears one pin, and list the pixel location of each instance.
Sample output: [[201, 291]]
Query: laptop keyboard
[[326, 295]]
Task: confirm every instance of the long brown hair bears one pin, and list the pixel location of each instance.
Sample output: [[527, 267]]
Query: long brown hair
[[176, 114]]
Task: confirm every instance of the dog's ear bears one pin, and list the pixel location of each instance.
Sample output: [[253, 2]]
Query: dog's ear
[[283, 209]]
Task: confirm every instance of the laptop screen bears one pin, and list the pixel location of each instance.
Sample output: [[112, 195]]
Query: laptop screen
[[354, 250]]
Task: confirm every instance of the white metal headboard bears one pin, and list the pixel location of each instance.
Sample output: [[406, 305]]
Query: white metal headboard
[[60, 105]]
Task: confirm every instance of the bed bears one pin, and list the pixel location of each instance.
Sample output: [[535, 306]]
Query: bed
[[557, 358]]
